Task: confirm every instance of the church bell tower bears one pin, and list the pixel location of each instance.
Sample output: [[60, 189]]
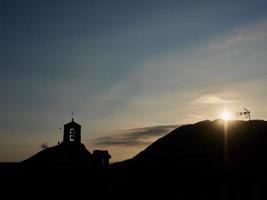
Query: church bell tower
[[72, 132]]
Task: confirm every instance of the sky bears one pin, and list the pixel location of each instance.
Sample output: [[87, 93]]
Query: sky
[[131, 71]]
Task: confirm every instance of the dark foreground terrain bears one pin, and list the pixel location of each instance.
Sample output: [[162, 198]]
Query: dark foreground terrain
[[198, 161]]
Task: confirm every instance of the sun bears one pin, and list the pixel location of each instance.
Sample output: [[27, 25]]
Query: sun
[[226, 116]]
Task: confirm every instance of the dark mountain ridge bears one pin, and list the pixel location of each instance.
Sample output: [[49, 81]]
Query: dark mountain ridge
[[208, 145], [206, 160]]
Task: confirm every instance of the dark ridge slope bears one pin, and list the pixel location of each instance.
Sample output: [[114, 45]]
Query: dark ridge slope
[[202, 146]]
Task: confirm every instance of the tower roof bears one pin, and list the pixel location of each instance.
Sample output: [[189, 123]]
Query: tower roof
[[72, 123]]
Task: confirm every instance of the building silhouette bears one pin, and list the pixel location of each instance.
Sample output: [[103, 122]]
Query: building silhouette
[[72, 135], [101, 158]]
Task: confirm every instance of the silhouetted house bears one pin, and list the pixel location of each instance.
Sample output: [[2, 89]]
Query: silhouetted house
[[101, 158], [72, 132]]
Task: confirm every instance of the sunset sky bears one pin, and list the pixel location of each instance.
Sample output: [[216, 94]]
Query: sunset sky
[[131, 71]]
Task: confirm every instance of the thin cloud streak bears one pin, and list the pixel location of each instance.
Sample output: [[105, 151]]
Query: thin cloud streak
[[134, 137], [212, 99], [164, 87]]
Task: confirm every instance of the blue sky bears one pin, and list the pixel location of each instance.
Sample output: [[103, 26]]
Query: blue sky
[[125, 65]]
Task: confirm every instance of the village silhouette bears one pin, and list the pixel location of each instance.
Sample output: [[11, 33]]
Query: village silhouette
[[70, 152], [187, 163]]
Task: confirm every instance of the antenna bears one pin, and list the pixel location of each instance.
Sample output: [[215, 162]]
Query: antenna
[[246, 114], [72, 116]]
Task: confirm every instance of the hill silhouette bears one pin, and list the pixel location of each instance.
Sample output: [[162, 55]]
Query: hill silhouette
[[202, 146], [191, 162], [206, 160]]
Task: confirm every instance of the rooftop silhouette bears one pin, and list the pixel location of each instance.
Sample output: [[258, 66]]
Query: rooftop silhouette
[[69, 153]]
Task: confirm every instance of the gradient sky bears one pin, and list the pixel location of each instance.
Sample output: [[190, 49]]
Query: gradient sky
[[130, 70]]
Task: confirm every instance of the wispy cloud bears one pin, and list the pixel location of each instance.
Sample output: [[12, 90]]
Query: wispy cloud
[[212, 99], [214, 73], [135, 137]]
